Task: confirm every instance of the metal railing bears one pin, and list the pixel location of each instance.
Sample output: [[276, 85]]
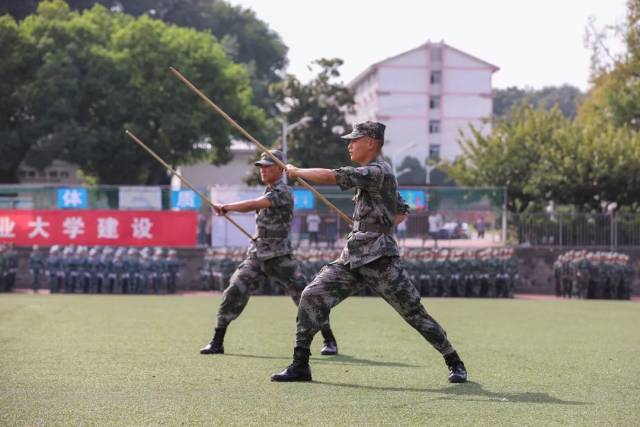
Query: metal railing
[[577, 230]]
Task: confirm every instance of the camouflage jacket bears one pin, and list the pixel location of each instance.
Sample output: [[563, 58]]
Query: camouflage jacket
[[274, 219], [377, 202]]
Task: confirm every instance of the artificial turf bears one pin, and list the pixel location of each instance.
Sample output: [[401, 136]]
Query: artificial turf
[[133, 360]]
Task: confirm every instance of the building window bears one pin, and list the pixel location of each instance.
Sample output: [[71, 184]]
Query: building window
[[53, 174], [64, 174], [436, 77], [434, 126], [434, 102], [434, 151], [32, 174]]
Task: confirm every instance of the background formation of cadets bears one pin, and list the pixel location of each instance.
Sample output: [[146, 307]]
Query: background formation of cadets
[[602, 275], [106, 270], [435, 272]]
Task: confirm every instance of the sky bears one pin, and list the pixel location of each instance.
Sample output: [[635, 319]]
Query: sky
[[534, 43]]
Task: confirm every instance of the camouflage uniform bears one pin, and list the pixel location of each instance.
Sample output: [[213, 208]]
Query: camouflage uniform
[[36, 266], [370, 258], [270, 255]]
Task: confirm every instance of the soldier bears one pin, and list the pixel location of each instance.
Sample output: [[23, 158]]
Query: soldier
[[171, 271], [36, 266], [91, 271], [144, 275], [155, 275], [110, 276], [3, 268], [557, 275], [206, 275], [11, 267], [117, 274], [55, 270], [370, 257], [270, 254]]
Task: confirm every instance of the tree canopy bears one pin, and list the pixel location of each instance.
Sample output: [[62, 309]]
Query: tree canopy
[[75, 81], [566, 97], [325, 100], [247, 39]]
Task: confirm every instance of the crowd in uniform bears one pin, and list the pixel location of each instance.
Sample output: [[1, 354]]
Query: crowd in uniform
[[601, 275], [8, 267], [104, 270], [489, 272]]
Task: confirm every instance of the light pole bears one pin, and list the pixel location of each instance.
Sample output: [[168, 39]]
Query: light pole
[[286, 127], [394, 156]]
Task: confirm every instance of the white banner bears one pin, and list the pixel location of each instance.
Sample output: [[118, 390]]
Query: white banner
[[225, 234], [140, 198]]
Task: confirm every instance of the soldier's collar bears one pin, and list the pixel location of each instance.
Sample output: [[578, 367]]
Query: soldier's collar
[[275, 184]]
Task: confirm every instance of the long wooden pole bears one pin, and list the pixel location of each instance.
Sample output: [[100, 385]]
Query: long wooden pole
[[258, 144], [184, 180]]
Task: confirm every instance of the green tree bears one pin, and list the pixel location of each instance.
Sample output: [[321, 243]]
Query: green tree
[[326, 101], [411, 172], [17, 126], [98, 73], [565, 97], [615, 96], [508, 156], [246, 38]]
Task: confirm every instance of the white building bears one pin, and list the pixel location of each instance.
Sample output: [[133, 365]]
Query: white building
[[204, 174], [425, 97]]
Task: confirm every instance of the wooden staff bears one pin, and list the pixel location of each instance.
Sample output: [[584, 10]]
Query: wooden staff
[[184, 180], [258, 144]]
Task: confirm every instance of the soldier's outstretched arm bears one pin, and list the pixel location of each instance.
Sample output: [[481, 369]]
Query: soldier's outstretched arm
[[316, 175], [261, 202]]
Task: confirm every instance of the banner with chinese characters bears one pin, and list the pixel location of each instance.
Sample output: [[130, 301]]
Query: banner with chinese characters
[[104, 227]]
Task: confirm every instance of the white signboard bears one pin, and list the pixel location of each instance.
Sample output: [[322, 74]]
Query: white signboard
[[223, 233], [141, 198]]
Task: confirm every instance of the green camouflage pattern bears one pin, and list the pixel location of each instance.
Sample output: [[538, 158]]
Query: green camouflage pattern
[[385, 276], [250, 275], [377, 201], [276, 218]]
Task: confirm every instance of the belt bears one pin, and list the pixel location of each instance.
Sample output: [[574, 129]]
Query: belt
[[266, 234], [373, 228]]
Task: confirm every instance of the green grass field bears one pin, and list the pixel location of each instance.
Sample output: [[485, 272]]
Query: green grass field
[[133, 360]]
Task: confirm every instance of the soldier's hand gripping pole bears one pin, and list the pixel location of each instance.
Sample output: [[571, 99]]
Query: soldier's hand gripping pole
[[184, 180], [258, 144]]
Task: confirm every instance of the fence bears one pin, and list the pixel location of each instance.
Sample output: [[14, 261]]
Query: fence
[[609, 231]]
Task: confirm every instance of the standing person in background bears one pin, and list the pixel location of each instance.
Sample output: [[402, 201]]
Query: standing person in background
[[269, 256], [435, 225], [313, 227], [36, 266], [480, 227], [370, 258]]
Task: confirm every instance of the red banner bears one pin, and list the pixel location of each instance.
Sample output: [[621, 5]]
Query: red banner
[[92, 228]]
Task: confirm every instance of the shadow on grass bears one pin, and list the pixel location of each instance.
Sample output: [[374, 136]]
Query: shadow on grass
[[469, 391], [341, 359]]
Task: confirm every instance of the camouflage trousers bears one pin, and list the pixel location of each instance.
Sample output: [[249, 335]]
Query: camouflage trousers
[[250, 274], [387, 277]]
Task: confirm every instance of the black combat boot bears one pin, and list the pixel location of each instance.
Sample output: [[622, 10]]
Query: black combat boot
[[330, 345], [216, 345], [457, 371], [298, 370]]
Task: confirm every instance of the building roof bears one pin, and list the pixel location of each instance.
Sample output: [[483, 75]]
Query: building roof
[[371, 68]]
